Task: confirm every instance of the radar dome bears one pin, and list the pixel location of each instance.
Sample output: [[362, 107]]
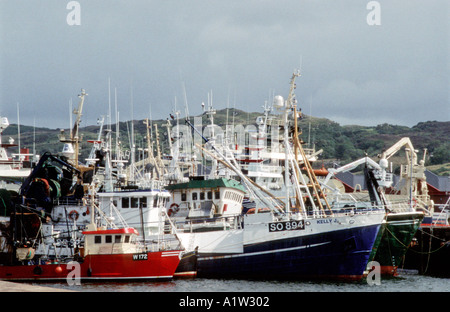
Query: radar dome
[[384, 163], [3, 123], [278, 102]]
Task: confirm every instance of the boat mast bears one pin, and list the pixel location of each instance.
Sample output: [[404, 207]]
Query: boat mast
[[313, 182], [158, 149], [150, 156], [286, 154], [75, 130], [293, 102], [18, 129], [74, 135], [132, 170]]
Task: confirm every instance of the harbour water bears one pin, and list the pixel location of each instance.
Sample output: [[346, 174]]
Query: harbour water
[[404, 282]]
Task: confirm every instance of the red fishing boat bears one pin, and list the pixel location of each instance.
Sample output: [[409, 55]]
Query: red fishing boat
[[107, 254], [31, 249]]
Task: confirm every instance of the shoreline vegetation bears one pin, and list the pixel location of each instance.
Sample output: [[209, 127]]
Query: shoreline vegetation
[[340, 144]]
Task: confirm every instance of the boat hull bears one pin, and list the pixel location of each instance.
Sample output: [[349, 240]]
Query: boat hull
[[326, 250], [187, 268], [143, 266], [430, 254], [396, 239]]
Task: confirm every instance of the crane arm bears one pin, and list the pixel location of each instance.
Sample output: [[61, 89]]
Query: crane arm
[[366, 160], [397, 146]]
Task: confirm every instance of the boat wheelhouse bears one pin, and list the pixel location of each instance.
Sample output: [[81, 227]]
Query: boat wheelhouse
[[117, 254], [200, 198], [15, 167], [138, 207], [107, 241], [211, 208]]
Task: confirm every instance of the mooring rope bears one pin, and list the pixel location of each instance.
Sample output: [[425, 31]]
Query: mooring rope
[[420, 252]]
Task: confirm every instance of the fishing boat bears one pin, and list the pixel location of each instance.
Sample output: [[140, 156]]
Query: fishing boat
[[263, 244], [59, 184], [61, 226], [396, 239], [107, 255], [33, 251], [138, 199], [298, 236], [429, 250], [402, 219], [14, 168], [402, 222]]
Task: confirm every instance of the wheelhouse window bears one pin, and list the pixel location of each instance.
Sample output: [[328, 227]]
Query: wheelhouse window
[[143, 202], [209, 195], [125, 202], [183, 197], [134, 202], [117, 238], [194, 196], [217, 195], [202, 195], [97, 239], [127, 239], [108, 239]]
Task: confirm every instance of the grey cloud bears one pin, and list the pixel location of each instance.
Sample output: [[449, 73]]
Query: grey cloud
[[243, 50]]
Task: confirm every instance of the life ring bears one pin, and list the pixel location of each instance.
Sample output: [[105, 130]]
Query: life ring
[[73, 215], [174, 208]]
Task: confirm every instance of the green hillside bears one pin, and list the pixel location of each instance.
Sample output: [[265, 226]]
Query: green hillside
[[340, 144]]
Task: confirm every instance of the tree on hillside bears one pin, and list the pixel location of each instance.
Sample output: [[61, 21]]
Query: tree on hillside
[[441, 154]]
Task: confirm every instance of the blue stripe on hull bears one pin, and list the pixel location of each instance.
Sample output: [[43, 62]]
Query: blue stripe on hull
[[339, 254]]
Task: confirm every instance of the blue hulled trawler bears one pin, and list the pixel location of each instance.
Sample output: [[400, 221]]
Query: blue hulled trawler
[[299, 235]]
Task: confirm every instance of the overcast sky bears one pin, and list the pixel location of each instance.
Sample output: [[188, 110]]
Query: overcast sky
[[243, 51]]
